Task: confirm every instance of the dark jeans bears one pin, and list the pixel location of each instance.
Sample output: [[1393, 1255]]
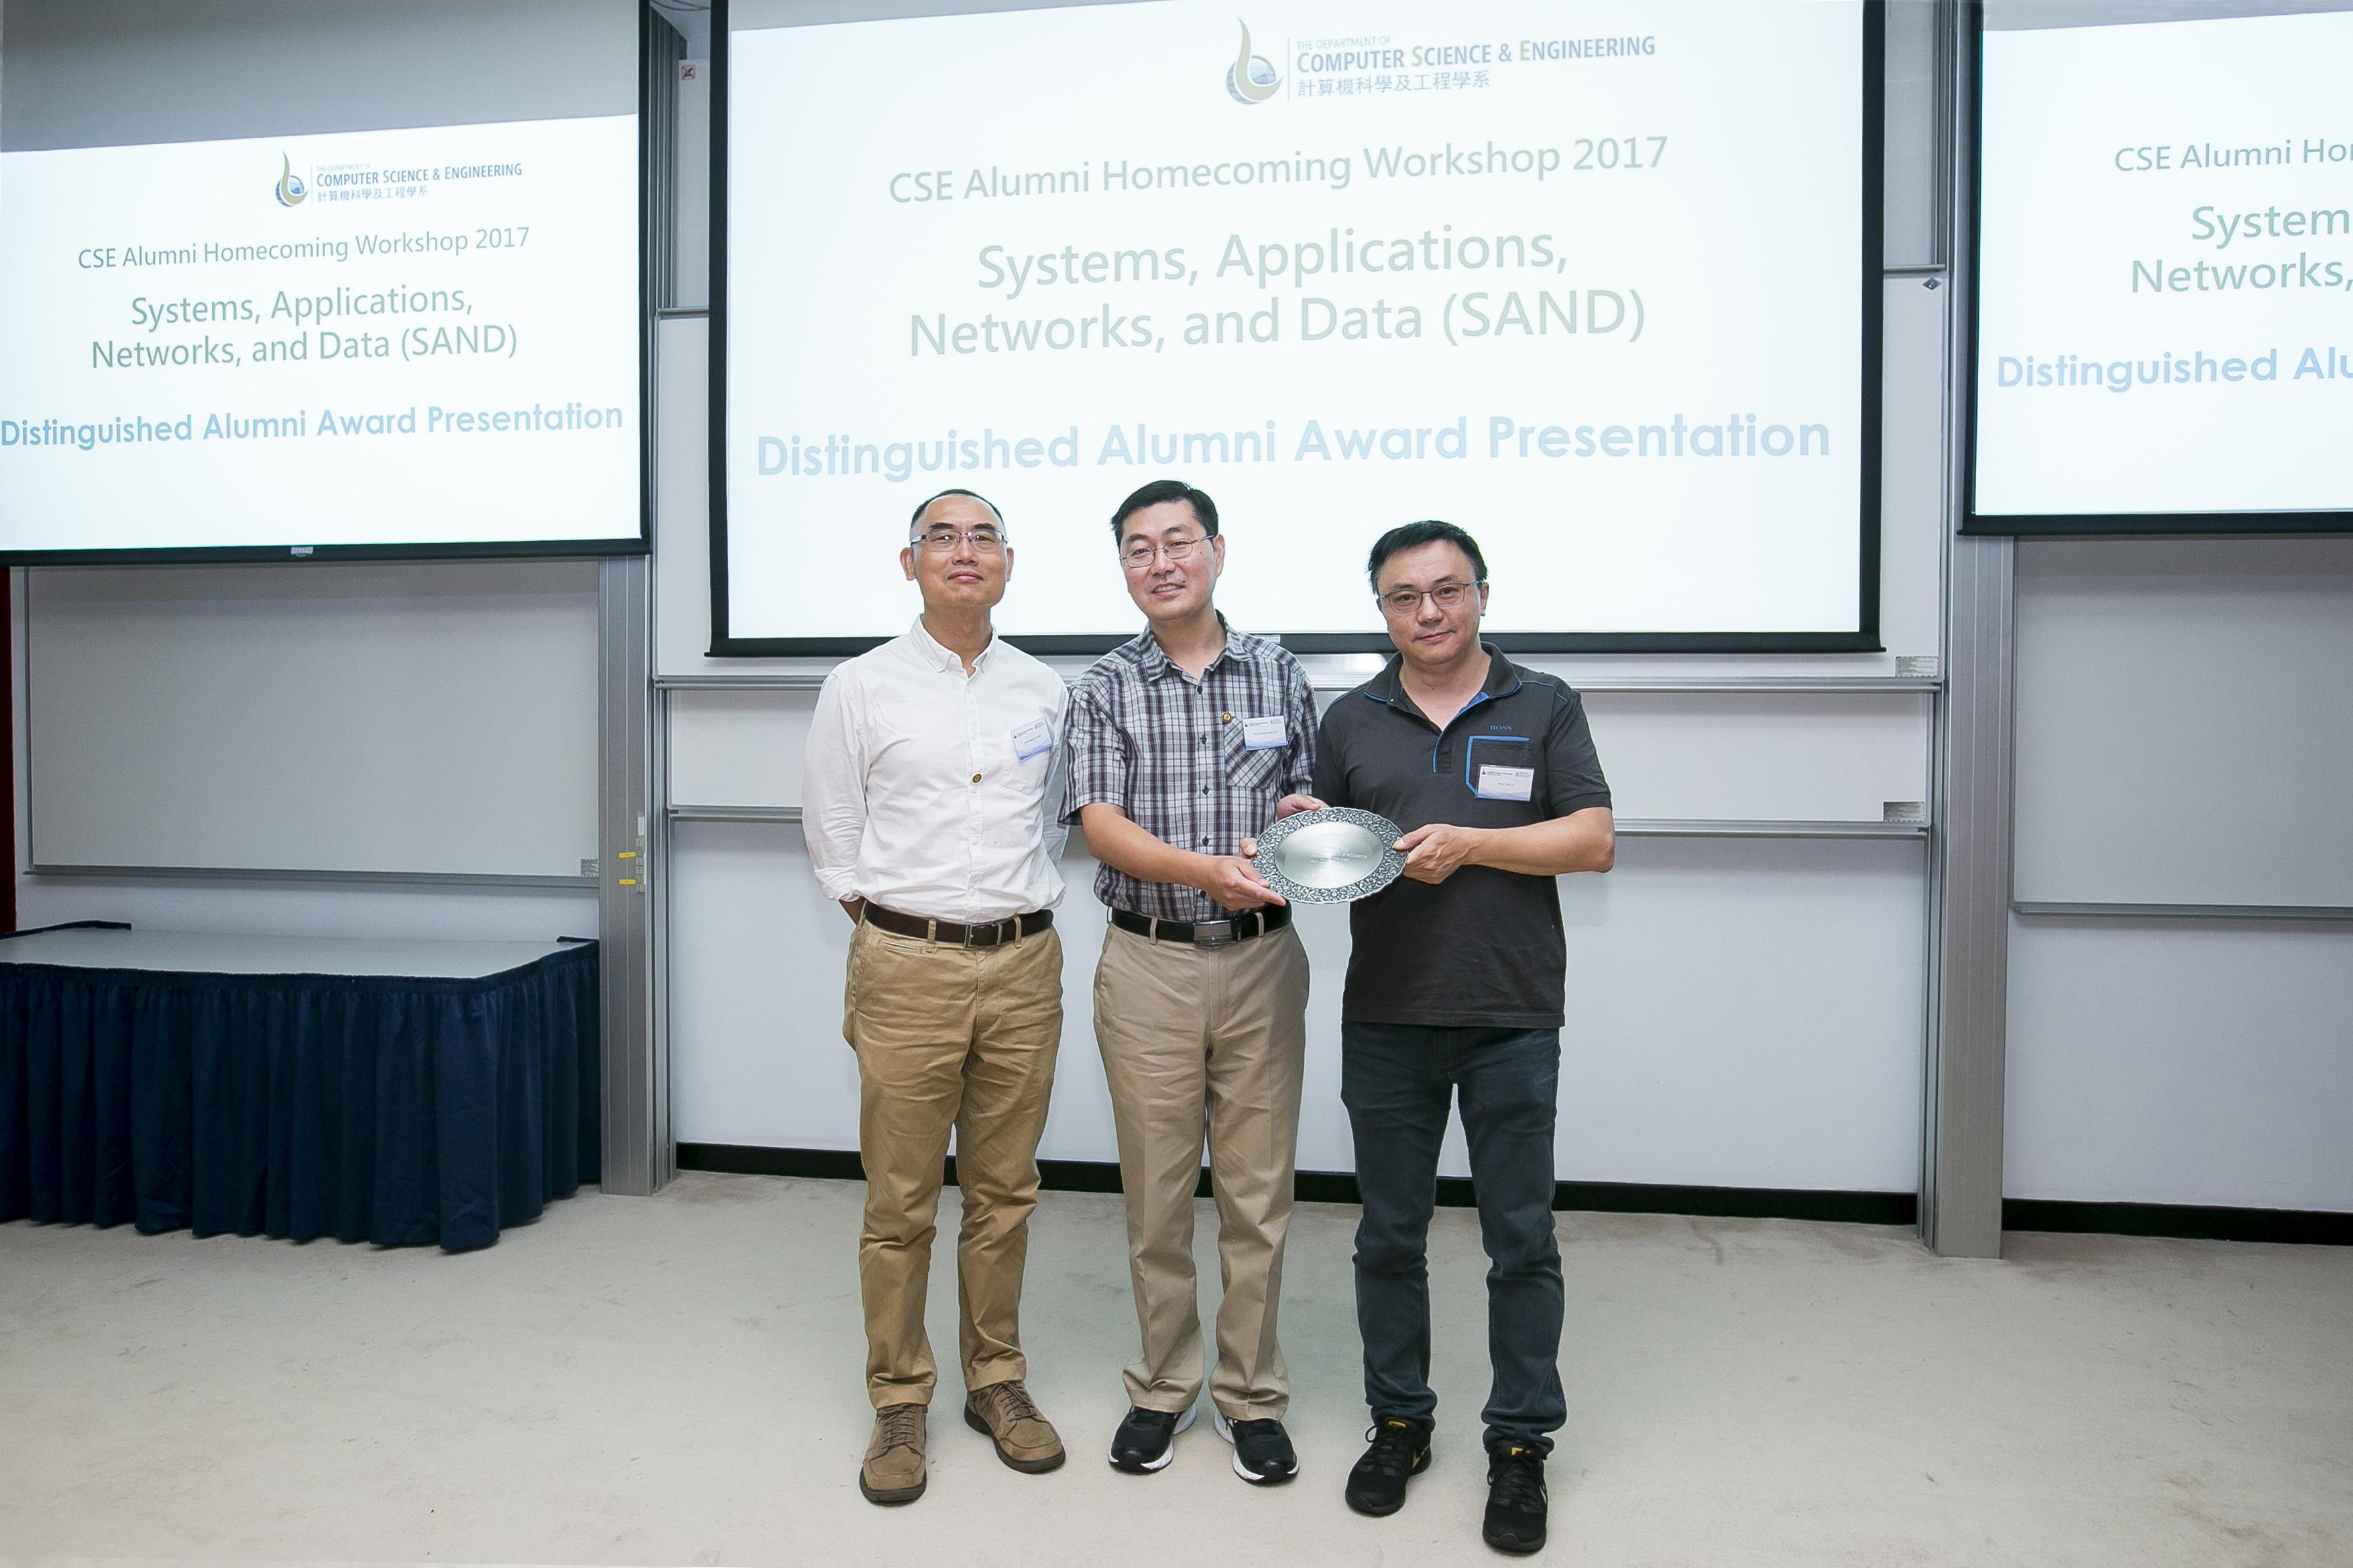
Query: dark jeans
[[1397, 1081]]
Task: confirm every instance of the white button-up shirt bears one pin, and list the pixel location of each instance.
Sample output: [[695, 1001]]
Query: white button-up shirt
[[917, 795]]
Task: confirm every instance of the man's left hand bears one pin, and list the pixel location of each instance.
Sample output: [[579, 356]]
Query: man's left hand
[[1436, 852]]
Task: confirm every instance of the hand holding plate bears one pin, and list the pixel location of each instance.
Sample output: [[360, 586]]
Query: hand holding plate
[[1436, 852], [1234, 883]]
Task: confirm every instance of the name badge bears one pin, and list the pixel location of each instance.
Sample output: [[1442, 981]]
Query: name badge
[[1264, 735], [1035, 739], [1505, 784]]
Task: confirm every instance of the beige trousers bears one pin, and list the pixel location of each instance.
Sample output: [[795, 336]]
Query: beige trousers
[[948, 1037], [1214, 1037]]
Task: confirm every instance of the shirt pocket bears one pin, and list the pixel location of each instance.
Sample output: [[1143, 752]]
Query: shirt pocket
[[1043, 726], [1519, 761], [1247, 770]]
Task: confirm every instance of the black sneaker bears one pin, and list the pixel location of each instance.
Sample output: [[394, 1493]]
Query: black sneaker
[[1400, 1450], [1262, 1452], [1147, 1440], [1515, 1499]]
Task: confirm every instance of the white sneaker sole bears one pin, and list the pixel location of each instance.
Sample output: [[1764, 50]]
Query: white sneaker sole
[[1226, 1430], [1183, 1422]]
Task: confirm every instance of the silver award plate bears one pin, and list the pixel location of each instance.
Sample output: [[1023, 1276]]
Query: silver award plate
[[1329, 857]]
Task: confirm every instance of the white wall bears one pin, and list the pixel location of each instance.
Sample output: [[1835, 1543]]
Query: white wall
[[2180, 1062], [2185, 721], [2183, 708]]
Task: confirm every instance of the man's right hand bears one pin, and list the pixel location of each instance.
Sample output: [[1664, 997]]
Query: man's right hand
[[1234, 883]]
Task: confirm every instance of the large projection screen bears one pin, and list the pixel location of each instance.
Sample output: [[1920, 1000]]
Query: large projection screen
[[300, 277], [2164, 270], [1600, 284]]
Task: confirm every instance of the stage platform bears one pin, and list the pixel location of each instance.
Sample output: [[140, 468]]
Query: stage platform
[[396, 1092]]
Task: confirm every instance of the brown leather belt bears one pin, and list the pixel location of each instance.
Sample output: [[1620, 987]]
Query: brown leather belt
[[994, 934], [1206, 933]]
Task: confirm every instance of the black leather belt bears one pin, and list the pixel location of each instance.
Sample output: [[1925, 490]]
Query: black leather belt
[[1206, 933], [994, 933]]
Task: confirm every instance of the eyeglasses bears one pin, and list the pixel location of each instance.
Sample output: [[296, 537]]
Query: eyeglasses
[[1137, 557], [940, 541], [1404, 602]]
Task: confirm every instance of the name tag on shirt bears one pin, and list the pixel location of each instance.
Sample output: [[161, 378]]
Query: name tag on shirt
[[1505, 784], [1037, 737], [1264, 735]]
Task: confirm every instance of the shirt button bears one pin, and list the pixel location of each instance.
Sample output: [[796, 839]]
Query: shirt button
[[976, 778]]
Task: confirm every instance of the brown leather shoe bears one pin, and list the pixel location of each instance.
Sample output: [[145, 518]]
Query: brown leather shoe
[[1025, 1439], [893, 1471]]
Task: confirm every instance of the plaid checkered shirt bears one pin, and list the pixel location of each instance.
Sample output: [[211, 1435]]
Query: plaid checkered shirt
[[1171, 752]]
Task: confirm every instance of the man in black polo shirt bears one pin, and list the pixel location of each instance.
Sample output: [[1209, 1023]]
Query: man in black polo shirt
[[1455, 983]]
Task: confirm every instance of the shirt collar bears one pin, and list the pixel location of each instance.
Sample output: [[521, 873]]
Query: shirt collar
[[940, 657], [1502, 679], [1153, 661]]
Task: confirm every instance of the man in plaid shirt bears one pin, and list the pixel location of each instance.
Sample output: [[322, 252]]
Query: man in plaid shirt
[[1183, 745]]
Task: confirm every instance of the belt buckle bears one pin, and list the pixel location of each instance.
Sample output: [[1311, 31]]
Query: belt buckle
[[1203, 937], [972, 931]]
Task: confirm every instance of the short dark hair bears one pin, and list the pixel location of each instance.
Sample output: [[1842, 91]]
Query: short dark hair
[[924, 505], [1408, 536], [1160, 491]]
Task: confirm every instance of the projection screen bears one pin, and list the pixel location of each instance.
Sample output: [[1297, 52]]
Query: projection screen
[[1600, 284], [2164, 270], [307, 278]]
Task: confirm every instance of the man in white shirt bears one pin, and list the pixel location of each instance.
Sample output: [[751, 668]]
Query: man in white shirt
[[932, 807]]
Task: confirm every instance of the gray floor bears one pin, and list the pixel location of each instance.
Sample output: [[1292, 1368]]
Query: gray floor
[[676, 1380]]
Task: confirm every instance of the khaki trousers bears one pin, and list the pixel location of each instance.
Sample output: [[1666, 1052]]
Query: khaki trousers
[[1214, 1037], [948, 1037]]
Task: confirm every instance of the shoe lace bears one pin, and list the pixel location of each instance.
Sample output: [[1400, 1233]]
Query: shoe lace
[[1014, 1402], [1393, 1443], [903, 1426], [1515, 1478]]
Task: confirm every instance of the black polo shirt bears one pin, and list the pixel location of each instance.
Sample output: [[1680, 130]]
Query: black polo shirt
[[1484, 947]]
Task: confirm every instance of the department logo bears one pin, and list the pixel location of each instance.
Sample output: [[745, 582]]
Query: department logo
[[1251, 78], [290, 188]]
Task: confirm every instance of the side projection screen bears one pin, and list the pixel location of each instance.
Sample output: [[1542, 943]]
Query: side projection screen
[[2164, 279], [292, 281]]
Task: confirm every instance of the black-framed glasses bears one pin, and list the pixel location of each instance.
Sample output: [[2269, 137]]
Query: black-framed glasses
[[939, 540], [1138, 556], [1399, 603]]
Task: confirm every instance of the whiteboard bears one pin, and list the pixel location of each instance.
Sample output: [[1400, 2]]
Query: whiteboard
[[433, 719], [2185, 721]]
